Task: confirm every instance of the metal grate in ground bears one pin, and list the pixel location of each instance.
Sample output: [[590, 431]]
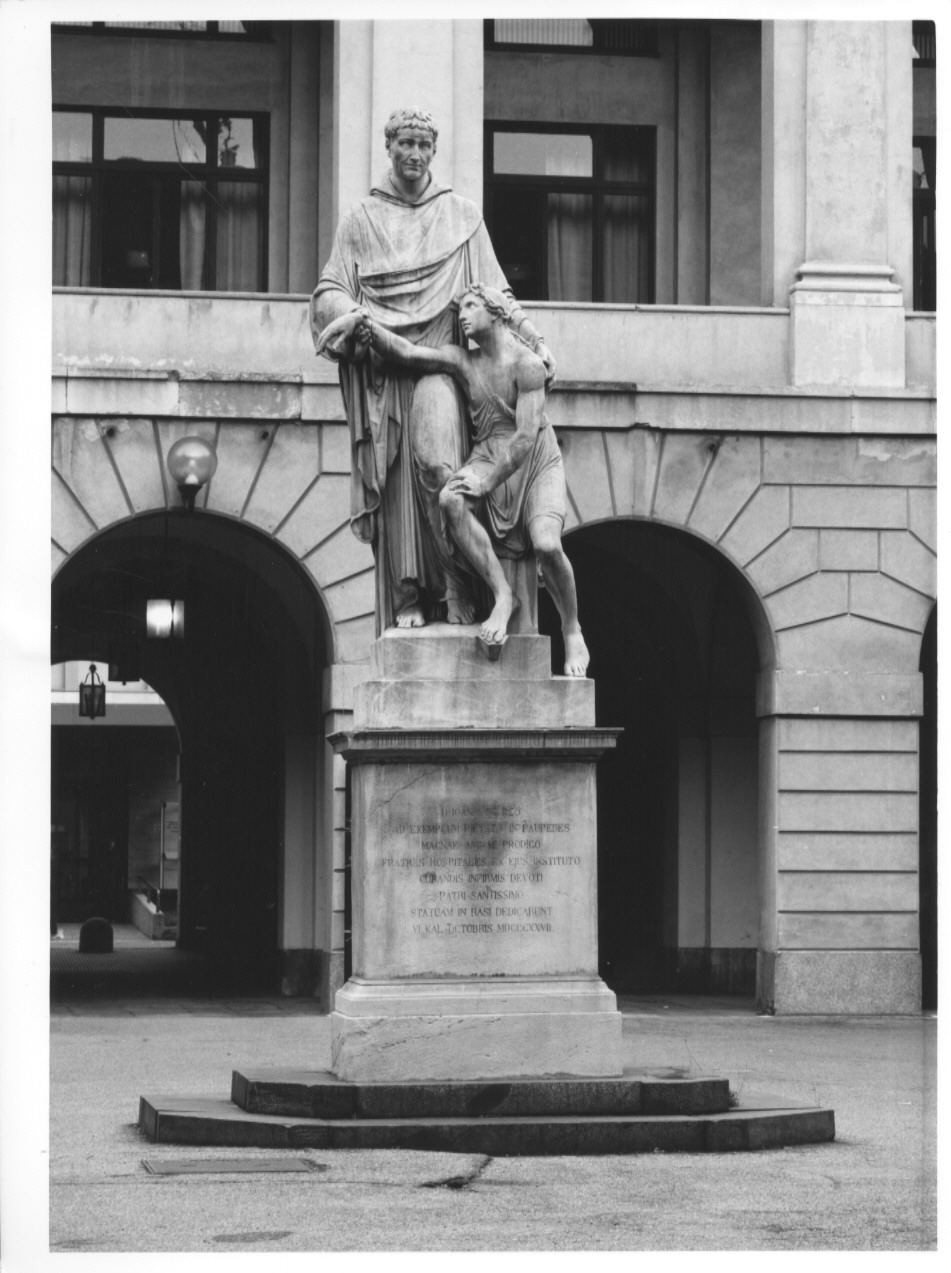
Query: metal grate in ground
[[229, 1166]]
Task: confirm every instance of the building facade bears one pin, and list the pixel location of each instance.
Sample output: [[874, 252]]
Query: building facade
[[725, 231]]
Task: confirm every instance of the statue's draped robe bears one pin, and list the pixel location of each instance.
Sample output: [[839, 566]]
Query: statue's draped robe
[[404, 263]]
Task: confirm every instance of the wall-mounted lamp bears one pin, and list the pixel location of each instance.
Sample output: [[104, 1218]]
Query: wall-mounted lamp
[[191, 463], [92, 695], [165, 618]]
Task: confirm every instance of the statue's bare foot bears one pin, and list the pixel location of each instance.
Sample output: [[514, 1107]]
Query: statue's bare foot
[[496, 627], [459, 610], [411, 617], [576, 655]]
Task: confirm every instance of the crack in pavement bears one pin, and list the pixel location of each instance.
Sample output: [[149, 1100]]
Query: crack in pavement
[[458, 1182]]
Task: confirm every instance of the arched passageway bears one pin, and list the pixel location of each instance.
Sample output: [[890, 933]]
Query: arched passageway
[[671, 626], [243, 687]]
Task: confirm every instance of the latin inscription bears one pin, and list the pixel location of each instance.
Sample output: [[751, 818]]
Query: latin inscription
[[481, 868]]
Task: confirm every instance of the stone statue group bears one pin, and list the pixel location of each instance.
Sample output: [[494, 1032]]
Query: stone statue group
[[456, 478]]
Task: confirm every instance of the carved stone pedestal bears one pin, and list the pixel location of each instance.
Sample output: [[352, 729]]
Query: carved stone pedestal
[[474, 876]]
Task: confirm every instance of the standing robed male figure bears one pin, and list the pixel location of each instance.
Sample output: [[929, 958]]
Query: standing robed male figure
[[404, 254]]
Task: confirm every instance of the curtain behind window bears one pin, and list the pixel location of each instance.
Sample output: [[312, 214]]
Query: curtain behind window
[[627, 224], [240, 216], [191, 243], [626, 249], [570, 247], [72, 231]]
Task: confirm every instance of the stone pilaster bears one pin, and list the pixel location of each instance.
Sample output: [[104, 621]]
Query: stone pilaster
[[847, 326], [835, 203]]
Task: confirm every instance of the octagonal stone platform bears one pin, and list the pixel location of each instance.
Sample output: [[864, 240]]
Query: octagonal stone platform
[[637, 1112]]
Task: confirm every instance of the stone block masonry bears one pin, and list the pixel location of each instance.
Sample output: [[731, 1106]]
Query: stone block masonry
[[843, 870]]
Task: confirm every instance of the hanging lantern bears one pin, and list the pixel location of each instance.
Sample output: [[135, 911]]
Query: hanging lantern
[[92, 695]]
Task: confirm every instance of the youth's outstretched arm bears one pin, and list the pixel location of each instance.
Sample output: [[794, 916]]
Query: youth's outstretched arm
[[357, 325], [419, 358]]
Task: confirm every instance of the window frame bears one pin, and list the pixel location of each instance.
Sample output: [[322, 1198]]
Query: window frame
[[923, 37], [924, 204], [263, 36], [207, 173], [595, 49], [596, 185]]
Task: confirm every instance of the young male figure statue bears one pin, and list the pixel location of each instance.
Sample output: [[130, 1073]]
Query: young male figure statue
[[509, 496], [402, 254]]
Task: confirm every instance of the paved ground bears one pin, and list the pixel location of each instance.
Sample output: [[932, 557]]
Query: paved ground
[[872, 1189]]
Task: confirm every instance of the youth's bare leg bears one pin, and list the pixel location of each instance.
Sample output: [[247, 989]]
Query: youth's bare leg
[[438, 433], [473, 539], [560, 581]]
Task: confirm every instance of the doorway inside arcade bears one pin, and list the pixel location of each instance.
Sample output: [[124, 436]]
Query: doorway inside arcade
[[235, 777], [114, 825], [671, 626]]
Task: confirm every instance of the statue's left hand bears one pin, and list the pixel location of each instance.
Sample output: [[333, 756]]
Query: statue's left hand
[[332, 341]]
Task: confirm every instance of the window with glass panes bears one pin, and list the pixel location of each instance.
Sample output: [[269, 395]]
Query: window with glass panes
[[178, 28], [570, 210], [160, 200], [924, 154], [626, 37], [923, 172]]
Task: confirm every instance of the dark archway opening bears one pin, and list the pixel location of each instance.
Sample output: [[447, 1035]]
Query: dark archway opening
[[675, 654], [241, 684], [928, 817]]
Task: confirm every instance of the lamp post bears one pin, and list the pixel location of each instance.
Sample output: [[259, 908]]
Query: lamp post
[[191, 463]]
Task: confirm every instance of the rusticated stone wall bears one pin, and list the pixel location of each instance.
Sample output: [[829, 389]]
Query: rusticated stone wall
[[834, 532]]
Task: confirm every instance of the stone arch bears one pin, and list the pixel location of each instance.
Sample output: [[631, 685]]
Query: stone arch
[[678, 639], [836, 537], [846, 581], [287, 478], [928, 816], [710, 485], [244, 688]]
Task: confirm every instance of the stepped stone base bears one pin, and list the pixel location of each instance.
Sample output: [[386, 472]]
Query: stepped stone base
[[397, 1049], [320, 1094], [639, 1112]]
